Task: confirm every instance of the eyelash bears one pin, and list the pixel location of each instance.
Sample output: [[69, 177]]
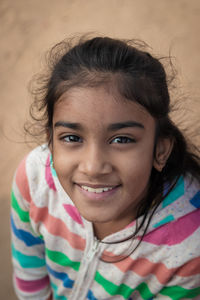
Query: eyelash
[[76, 139], [123, 139]]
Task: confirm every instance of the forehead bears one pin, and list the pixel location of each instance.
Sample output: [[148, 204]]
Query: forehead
[[98, 104]]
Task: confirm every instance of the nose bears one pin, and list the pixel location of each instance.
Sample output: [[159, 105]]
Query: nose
[[94, 162]]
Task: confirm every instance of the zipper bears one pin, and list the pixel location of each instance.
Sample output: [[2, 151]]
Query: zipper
[[92, 251], [83, 281]]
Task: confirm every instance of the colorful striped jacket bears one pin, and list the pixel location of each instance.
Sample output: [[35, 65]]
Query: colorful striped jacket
[[54, 250]]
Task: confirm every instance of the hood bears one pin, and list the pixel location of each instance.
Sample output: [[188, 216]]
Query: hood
[[177, 217]]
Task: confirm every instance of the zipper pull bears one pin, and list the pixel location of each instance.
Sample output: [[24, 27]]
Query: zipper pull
[[93, 250]]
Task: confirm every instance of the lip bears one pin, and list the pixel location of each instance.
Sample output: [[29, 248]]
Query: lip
[[98, 196]]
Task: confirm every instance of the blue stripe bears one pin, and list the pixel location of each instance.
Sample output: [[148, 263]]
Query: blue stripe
[[176, 193], [53, 171], [25, 236], [91, 296], [195, 201], [27, 261], [166, 220], [67, 282]]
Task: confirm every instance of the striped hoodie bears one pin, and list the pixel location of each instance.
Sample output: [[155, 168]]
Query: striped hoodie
[[54, 250]]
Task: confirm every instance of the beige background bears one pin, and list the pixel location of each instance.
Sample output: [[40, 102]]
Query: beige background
[[29, 27]]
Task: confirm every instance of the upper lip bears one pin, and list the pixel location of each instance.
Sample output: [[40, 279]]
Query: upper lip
[[96, 186]]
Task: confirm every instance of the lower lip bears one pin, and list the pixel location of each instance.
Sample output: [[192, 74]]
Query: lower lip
[[98, 196]]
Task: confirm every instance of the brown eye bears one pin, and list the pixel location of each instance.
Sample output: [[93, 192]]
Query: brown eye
[[122, 140], [72, 139]]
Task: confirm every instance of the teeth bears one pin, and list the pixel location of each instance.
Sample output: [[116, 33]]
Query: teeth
[[98, 190]]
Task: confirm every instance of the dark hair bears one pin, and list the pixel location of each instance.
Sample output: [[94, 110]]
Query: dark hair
[[139, 77]]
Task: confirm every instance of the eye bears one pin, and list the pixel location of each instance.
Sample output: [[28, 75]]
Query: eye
[[71, 139], [122, 140]]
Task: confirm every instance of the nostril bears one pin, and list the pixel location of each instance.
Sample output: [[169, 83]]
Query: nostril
[[95, 166]]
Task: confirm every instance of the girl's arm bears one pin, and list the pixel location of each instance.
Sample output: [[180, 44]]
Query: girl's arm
[[179, 290], [30, 276], [185, 284]]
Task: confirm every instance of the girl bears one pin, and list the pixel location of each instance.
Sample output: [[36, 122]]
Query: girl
[[109, 207]]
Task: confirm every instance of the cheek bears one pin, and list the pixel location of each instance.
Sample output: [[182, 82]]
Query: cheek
[[138, 168], [139, 172], [62, 164]]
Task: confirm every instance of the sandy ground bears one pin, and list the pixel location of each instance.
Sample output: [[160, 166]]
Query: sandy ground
[[29, 27]]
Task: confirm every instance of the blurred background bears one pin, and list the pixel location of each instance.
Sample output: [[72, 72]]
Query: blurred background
[[28, 28]]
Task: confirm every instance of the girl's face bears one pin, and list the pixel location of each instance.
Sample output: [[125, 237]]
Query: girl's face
[[103, 154]]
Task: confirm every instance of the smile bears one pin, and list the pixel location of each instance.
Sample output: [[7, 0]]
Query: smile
[[96, 190]]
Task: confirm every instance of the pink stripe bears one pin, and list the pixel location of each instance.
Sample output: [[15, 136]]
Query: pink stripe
[[73, 212], [56, 226], [48, 175], [31, 286], [175, 232], [144, 267], [192, 267], [22, 181]]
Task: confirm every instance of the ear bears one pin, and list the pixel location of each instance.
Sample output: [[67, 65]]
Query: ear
[[163, 150]]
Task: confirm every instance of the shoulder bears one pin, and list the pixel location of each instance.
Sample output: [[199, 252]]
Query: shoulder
[[31, 171], [176, 223]]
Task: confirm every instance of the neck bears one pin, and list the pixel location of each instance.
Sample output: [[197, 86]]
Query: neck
[[102, 230]]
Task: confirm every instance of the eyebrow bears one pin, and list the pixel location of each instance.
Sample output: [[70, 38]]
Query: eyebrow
[[121, 125], [68, 125], [111, 127]]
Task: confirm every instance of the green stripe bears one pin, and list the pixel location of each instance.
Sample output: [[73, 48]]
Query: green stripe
[[27, 261], [55, 292], [23, 215], [123, 289], [177, 292], [62, 259], [144, 291]]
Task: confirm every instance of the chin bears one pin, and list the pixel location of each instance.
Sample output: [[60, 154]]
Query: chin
[[96, 218]]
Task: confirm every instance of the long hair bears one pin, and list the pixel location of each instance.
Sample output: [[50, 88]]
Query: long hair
[[139, 77]]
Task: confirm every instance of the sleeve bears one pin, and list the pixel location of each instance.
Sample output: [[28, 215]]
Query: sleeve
[[30, 277], [185, 284]]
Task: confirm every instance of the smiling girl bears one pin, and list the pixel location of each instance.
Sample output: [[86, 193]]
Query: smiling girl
[[108, 208]]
